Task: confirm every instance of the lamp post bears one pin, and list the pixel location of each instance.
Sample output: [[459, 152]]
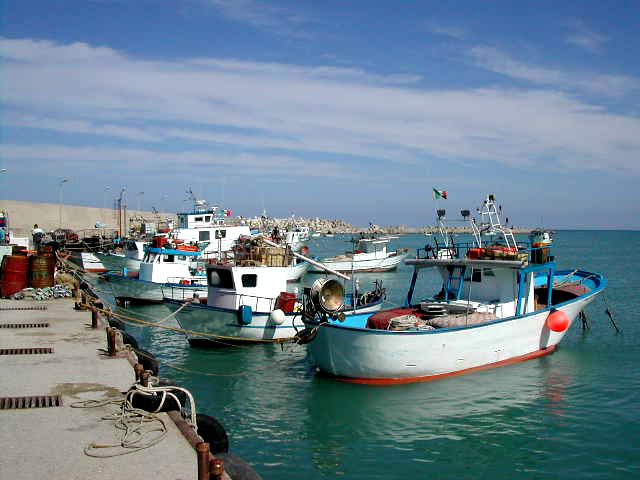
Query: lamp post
[[140, 194], [62, 182], [104, 202]]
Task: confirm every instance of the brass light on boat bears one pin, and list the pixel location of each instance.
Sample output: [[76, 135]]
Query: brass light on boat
[[327, 295]]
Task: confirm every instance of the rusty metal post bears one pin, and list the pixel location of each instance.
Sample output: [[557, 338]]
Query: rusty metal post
[[94, 318], [216, 468], [138, 369], [144, 378], [111, 341], [203, 460]]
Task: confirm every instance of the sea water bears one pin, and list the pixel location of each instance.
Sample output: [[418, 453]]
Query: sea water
[[572, 414]]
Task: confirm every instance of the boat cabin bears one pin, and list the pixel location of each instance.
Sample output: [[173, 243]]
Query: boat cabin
[[373, 247], [206, 227], [168, 265], [255, 286]]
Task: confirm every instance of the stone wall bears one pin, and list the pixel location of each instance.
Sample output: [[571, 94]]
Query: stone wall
[[23, 215]]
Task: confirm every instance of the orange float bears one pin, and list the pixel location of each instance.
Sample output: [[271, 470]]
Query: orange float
[[558, 321]]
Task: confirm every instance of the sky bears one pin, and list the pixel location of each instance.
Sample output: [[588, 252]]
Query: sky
[[336, 109]]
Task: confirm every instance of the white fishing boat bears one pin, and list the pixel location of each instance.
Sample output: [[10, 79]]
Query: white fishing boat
[[163, 271], [88, 261], [248, 301], [128, 259], [369, 255], [498, 304], [206, 227]]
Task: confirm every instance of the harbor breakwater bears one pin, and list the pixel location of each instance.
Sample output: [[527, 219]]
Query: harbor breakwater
[[50, 216]]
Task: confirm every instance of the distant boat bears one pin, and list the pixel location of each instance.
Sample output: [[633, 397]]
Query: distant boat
[[370, 254], [497, 304]]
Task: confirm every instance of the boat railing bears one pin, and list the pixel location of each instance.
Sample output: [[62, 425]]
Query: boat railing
[[537, 255]]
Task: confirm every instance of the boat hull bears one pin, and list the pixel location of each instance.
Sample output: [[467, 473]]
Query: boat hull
[[204, 324], [88, 261], [296, 272], [133, 289], [377, 356], [112, 262]]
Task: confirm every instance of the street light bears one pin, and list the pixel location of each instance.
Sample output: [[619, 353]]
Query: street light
[[62, 182], [104, 202], [140, 194]]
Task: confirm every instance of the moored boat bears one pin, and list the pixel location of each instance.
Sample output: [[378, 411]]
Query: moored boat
[[163, 271], [497, 304], [370, 254], [248, 301]]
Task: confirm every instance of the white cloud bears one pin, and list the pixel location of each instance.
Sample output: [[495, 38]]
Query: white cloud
[[583, 37], [497, 61], [260, 14], [200, 109], [446, 30]]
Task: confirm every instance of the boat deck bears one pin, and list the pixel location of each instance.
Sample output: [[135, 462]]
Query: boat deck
[[414, 318]]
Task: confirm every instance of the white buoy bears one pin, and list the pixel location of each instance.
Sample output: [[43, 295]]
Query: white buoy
[[277, 316]]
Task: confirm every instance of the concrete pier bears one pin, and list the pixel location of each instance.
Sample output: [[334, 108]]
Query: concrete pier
[[50, 442]]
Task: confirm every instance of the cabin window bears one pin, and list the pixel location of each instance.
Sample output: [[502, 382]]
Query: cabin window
[[182, 257], [250, 280], [207, 218], [220, 278], [168, 258], [204, 236], [488, 272], [198, 219]]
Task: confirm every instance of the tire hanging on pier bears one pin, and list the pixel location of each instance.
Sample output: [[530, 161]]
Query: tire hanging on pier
[[212, 432]]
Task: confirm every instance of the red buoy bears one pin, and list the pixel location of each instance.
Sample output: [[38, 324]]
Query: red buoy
[[558, 321]]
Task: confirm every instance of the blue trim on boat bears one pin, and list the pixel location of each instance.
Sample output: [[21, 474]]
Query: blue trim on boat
[[600, 283], [173, 251]]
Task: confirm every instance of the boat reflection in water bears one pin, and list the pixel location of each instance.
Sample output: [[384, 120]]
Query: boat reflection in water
[[418, 423]]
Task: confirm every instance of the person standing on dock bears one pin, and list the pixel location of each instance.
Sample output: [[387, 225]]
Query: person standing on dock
[[37, 233]]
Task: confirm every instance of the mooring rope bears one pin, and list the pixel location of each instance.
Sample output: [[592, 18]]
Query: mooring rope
[[137, 426]]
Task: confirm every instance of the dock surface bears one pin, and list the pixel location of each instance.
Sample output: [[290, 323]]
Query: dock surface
[[50, 442]]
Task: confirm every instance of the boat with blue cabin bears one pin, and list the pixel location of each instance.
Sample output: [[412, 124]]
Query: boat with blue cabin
[[163, 271], [499, 303]]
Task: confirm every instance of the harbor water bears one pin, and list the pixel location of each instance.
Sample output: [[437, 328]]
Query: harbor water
[[572, 414]]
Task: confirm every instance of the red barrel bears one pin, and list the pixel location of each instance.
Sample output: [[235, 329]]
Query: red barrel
[[14, 274], [286, 302], [41, 270]]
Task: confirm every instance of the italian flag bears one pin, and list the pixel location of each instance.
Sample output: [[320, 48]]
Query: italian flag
[[439, 194]]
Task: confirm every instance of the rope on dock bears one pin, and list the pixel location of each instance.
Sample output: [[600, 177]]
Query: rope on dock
[[141, 429]]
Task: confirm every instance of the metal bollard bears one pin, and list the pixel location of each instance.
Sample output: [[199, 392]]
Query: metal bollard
[[94, 314], [216, 468], [94, 318], [144, 377], [111, 341], [202, 449], [138, 369]]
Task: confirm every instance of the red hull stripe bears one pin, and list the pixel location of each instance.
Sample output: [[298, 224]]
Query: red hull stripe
[[391, 381]]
